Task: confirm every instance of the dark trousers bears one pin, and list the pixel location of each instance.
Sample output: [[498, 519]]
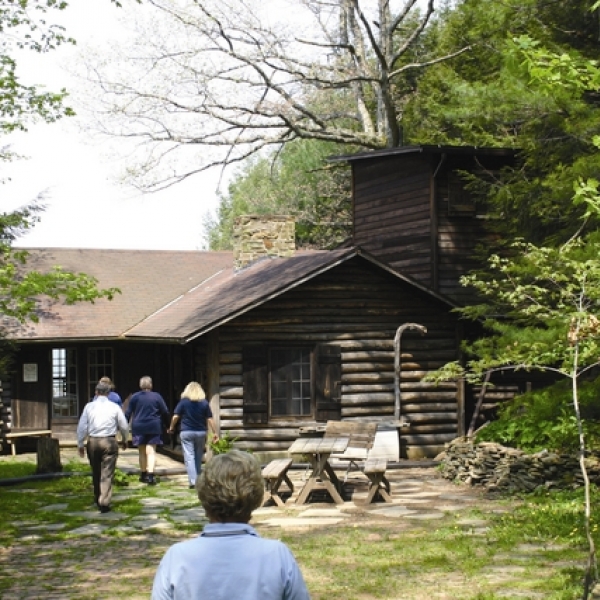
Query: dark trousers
[[102, 453]]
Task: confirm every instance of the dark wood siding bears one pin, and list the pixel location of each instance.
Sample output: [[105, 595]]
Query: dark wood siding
[[414, 213], [358, 308], [392, 214], [462, 229]]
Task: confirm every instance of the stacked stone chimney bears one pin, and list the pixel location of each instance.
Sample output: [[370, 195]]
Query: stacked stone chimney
[[258, 236]]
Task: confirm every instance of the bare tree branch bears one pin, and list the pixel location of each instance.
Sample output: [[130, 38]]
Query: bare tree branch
[[217, 81]]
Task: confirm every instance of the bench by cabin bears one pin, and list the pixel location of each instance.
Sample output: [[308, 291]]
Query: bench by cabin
[[361, 437]]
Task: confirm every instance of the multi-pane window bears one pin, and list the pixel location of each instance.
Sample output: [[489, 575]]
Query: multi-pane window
[[64, 382], [100, 364], [290, 381]]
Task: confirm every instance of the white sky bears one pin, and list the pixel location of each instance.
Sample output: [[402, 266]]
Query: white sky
[[86, 207]]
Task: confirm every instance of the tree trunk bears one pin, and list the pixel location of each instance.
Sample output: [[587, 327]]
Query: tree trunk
[[48, 455]]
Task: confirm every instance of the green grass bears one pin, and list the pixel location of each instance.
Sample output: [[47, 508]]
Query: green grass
[[15, 467], [540, 536]]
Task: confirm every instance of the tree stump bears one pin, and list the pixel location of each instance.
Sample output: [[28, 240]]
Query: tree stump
[[48, 456]]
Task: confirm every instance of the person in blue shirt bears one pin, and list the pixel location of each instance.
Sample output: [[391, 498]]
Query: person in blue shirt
[[229, 560], [148, 412], [196, 417], [112, 395]]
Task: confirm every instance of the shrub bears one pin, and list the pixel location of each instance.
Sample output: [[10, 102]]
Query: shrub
[[545, 419], [223, 445]]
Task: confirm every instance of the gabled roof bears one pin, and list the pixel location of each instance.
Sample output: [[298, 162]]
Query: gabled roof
[[232, 293], [425, 149], [174, 296], [148, 281]]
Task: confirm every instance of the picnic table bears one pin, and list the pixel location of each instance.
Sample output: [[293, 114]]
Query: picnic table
[[318, 450]]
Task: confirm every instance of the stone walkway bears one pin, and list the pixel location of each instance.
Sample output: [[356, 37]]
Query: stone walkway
[[419, 495]]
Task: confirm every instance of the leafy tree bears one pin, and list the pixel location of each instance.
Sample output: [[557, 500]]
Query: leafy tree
[[540, 313], [484, 97], [23, 26], [21, 287], [223, 81], [296, 182], [540, 303]]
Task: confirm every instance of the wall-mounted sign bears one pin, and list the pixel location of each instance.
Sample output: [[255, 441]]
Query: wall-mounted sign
[[30, 372]]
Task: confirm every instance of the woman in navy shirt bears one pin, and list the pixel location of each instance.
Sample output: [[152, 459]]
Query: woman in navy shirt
[[149, 412], [196, 417]]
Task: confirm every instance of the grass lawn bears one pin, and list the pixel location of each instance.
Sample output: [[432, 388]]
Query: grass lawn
[[531, 547]]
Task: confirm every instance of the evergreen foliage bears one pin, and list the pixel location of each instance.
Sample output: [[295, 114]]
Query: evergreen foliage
[[489, 97], [544, 420], [296, 181]]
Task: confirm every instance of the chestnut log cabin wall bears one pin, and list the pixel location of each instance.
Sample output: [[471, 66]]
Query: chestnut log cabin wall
[[412, 211], [346, 319]]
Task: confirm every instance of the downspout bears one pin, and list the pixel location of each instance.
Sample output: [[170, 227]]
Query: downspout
[[397, 357]]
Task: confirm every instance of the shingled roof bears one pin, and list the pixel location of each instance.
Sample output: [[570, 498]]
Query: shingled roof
[[173, 296], [232, 293], [148, 281]]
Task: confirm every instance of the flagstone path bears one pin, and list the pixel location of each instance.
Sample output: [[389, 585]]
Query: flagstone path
[[113, 552]]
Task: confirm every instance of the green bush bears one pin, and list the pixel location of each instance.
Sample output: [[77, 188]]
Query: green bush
[[545, 419], [223, 444]]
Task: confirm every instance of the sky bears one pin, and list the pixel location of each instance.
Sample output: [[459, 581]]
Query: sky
[[86, 206]]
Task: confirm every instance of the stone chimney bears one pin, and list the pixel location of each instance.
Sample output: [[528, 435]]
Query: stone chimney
[[258, 236]]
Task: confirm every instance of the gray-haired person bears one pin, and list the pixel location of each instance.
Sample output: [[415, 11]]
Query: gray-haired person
[[229, 559], [99, 423]]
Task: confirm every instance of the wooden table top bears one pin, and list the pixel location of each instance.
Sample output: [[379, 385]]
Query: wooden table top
[[318, 445]]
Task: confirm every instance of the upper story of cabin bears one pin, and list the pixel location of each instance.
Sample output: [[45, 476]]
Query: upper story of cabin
[[413, 211]]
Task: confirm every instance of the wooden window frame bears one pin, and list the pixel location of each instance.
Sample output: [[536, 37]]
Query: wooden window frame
[[104, 370], [289, 383], [326, 375], [64, 375]]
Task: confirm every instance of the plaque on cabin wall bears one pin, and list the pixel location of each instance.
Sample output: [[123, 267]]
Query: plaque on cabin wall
[[30, 372]]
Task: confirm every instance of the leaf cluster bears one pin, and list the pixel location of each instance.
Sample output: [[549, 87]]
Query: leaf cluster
[[23, 25], [532, 302], [544, 419], [224, 444], [295, 181], [22, 289], [530, 82]]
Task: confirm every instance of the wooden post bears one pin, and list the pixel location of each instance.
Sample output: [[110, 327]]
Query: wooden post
[[48, 455]]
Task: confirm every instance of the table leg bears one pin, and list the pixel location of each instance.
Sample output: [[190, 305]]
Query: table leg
[[310, 483], [322, 477], [333, 477]]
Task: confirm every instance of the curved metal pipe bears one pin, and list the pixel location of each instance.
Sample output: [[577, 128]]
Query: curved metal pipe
[[397, 356]]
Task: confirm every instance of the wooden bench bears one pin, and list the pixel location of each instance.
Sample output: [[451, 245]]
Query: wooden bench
[[375, 469], [360, 436], [274, 474], [11, 436]]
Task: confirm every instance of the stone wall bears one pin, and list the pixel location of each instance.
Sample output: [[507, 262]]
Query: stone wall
[[498, 468], [257, 236]]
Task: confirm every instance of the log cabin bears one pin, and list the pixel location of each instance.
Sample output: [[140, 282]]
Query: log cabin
[[280, 339]]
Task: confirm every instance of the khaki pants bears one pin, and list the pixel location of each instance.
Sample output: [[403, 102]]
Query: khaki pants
[[102, 453]]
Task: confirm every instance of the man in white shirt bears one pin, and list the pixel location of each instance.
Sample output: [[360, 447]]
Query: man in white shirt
[[99, 423]]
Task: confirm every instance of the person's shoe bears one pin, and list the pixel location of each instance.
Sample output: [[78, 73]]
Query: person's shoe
[[144, 477], [104, 509], [150, 480], [192, 486]]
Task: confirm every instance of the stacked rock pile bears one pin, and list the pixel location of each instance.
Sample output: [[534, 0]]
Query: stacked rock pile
[[498, 468]]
